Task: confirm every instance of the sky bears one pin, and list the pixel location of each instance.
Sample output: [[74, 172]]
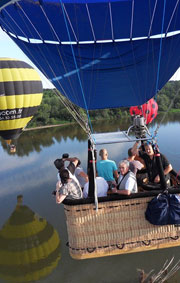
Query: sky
[[9, 49]]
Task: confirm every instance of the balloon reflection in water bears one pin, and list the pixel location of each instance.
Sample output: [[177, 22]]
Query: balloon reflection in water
[[29, 246]]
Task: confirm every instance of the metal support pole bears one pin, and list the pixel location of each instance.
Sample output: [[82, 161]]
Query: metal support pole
[[90, 169], [160, 168]]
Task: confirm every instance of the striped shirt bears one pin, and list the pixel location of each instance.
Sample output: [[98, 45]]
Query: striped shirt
[[71, 190]]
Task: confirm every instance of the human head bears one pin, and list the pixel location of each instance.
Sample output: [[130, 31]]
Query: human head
[[103, 153], [59, 164], [130, 154], [149, 149], [64, 175], [123, 166]]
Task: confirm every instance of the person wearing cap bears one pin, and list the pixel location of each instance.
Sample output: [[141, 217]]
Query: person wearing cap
[[67, 188], [149, 158]]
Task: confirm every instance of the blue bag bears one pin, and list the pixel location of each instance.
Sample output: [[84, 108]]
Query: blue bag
[[174, 209], [164, 209]]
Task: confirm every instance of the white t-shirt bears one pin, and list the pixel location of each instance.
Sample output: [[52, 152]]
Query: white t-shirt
[[135, 165], [102, 187], [81, 179], [129, 182]]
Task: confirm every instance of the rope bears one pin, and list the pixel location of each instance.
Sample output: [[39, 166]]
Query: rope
[[95, 184], [70, 107], [158, 126], [76, 66], [121, 246], [79, 119], [160, 49]]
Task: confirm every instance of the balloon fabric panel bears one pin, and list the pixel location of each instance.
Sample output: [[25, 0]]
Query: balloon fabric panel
[[112, 74], [20, 96], [148, 110], [94, 16], [122, 71]]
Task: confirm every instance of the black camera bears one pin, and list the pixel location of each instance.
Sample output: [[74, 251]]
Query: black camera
[[65, 155], [53, 193]]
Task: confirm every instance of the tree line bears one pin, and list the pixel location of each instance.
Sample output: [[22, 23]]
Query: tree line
[[52, 111]]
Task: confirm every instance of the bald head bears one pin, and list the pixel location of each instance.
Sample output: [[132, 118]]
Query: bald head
[[103, 153]]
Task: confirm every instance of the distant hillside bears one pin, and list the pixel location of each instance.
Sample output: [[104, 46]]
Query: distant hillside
[[52, 111]]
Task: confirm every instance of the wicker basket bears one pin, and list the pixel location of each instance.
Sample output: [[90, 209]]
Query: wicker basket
[[118, 227]]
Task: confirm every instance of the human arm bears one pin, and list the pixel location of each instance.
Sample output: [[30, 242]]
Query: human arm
[[115, 171], [116, 175], [74, 160], [121, 192], [166, 171], [135, 148], [84, 175], [59, 197], [58, 185], [85, 190], [139, 165]]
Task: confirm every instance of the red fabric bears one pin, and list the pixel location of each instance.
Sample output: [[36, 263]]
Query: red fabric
[[148, 110]]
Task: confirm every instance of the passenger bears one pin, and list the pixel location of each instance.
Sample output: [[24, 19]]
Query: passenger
[[152, 168], [127, 183], [81, 175], [134, 165], [68, 188], [102, 188], [107, 168], [60, 164]]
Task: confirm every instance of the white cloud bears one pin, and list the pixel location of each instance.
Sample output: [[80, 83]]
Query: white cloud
[[10, 163]]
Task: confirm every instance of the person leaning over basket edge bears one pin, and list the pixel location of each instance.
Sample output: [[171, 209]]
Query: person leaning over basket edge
[[68, 188]]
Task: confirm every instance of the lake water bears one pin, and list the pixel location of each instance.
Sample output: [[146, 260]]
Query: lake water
[[30, 172]]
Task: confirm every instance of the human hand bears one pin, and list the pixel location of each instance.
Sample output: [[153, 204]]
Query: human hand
[[157, 179], [114, 190]]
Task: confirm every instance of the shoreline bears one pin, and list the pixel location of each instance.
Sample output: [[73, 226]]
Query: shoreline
[[48, 126], [69, 123]]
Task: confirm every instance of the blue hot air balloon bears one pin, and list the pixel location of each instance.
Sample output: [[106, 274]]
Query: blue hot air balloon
[[102, 54], [99, 54]]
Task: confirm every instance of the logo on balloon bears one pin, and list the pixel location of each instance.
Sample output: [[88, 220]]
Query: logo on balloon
[[11, 114]]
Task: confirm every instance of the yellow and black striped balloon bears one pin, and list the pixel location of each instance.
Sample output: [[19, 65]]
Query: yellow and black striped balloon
[[29, 246], [20, 95]]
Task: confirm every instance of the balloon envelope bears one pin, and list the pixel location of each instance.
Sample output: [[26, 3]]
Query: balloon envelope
[[20, 96], [148, 110], [99, 54]]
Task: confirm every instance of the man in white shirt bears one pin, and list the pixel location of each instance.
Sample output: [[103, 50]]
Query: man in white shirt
[[127, 183], [81, 175], [102, 187]]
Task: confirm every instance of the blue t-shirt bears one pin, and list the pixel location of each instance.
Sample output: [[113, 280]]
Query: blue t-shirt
[[105, 169]]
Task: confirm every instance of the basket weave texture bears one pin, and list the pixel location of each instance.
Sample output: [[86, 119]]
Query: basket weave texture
[[117, 227]]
